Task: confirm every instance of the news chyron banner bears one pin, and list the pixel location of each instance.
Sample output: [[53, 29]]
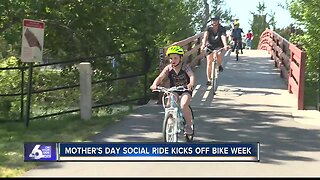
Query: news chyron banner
[[242, 152]]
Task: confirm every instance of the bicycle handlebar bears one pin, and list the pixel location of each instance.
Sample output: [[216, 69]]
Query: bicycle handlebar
[[172, 89], [208, 50], [168, 92]]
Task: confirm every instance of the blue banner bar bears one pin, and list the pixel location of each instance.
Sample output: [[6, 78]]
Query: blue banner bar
[[159, 151], [141, 151]]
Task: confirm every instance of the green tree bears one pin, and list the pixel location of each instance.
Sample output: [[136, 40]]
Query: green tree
[[289, 31], [210, 9], [87, 28], [305, 12], [259, 23], [272, 22]]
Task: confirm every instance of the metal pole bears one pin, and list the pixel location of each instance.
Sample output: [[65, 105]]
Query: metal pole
[[29, 94], [161, 66], [318, 102], [22, 92], [146, 69]]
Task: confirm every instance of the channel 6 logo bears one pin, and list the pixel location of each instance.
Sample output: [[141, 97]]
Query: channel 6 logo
[[40, 151]]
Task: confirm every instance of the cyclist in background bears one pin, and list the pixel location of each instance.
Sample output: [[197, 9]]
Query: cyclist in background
[[237, 36], [179, 74], [214, 38]]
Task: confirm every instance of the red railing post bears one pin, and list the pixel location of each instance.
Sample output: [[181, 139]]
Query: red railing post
[[301, 81], [296, 75]]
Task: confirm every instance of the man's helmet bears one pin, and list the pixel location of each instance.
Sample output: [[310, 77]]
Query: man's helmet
[[175, 50], [215, 18]]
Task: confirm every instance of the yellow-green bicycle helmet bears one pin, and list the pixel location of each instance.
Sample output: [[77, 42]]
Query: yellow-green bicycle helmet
[[175, 50], [236, 23]]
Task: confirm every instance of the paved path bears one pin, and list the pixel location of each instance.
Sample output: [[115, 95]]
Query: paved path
[[251, 104]]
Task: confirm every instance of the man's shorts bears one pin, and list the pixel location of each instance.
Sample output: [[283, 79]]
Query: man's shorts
[[211, 48]]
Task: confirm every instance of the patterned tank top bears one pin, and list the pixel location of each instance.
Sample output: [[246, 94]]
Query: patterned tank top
[[180, 79]]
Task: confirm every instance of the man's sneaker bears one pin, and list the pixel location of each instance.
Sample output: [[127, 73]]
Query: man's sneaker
[[189, 130], [220, 68], [208, 83]]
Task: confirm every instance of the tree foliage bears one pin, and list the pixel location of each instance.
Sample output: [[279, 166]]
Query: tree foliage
[[259, 23], [77, 28], [212, 8], [95, 28], [305, 12], [91, 28], [289, 32]]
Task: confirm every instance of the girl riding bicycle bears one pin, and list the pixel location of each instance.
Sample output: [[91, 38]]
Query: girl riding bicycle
[[179, 74]]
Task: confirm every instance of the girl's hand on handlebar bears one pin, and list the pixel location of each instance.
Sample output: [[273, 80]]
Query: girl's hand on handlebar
[[190, 87], [153, 87]]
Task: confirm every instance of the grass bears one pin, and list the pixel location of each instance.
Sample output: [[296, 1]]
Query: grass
[[311, 95], [63, 128]]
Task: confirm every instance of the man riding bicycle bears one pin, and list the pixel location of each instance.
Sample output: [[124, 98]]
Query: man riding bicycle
[[179, 74], [214, 38]]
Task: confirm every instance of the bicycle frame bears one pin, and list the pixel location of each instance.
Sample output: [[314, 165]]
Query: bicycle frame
[[237, 48], [214, 68], [174, 109], [174, 122]]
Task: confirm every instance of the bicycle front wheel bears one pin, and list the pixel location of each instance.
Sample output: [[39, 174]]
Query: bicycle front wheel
[[237, 55], [213, 74], [214, 77], [169, 129]]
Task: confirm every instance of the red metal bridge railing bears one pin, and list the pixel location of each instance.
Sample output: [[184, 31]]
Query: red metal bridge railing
[[289, 59]]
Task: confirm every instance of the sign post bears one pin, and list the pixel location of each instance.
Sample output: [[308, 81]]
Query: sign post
[[31, 51]]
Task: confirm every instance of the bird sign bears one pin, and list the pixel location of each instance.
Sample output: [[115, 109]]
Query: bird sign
[[32, 41]]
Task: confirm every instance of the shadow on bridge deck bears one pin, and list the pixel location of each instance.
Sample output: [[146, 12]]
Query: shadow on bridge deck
[[251, 104]]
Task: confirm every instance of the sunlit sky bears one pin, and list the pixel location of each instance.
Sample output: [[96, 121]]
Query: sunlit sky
[[242, 8]]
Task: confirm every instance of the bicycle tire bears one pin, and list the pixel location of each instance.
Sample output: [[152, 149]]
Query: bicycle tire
[[214, 77], [213, 74], [169, 128], [237, 51], [237, 55]]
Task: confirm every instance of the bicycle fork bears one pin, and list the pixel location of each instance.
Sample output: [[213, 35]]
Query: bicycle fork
[[177, 118]]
